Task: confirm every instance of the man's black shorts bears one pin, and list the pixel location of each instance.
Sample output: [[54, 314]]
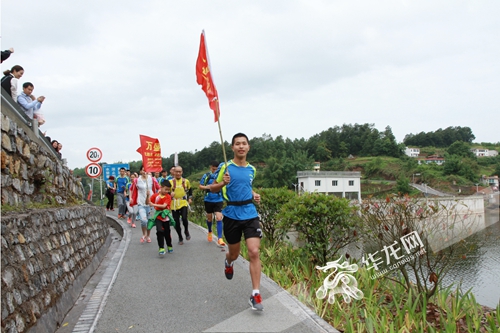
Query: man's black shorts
[[233, 229], [213, 207]]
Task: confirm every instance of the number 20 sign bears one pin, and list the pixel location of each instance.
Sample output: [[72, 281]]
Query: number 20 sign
[[94, 155], [93, 170]]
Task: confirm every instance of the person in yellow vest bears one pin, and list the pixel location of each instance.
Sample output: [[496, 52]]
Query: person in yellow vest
[[182, 196]]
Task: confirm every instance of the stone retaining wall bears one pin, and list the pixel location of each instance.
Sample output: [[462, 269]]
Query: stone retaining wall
[[31, 170], [43, 253]]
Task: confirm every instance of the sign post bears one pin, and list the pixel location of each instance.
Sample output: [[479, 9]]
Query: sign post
[[94, 170]]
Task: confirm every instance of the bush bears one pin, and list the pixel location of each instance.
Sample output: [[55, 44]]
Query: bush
[[325, 223], [272, 199]]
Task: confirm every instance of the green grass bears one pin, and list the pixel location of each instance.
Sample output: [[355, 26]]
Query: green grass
[[385, 307]]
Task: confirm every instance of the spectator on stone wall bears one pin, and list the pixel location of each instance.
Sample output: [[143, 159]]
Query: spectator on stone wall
[[7, 53], [10, 79], [59, 148], [29, 103]]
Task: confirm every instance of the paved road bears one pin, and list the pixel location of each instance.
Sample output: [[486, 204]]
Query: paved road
[[186, 291], [430, 191]]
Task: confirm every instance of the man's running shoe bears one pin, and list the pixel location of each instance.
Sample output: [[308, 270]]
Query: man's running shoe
[[209, 237], [161, 252], [221, 243], [256, 302], [188, 237], [228, 270], [129, 220], [170, 249]]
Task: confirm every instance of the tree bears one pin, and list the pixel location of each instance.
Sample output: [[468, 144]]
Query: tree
[[460, 148], [325, 223], [431, 234], [272, 200], [403, 185]]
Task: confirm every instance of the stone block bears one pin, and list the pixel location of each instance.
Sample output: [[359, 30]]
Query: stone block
[[6, 181], [20, 323], [16, 167], [4, 159], [9, 276], [16, 184], [19, 144], [28, 188], [13, 128], [6, 143], [26, 151], [5, 123], [17, 296], [40, 161], [24, 171], [21, 238]]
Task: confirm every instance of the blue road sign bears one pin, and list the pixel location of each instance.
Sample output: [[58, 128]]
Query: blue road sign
[[113, 169]]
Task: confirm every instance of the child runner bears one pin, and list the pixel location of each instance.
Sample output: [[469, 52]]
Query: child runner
[[160, 201]]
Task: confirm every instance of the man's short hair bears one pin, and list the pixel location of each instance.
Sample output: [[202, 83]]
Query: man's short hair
[[214, 163], [123, 169], [165, 183], [28, 84], [239, 135]]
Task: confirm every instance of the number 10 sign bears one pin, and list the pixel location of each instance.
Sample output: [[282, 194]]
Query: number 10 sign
[[93, 170]]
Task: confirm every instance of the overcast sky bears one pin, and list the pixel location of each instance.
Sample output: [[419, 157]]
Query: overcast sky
[[111, 70]]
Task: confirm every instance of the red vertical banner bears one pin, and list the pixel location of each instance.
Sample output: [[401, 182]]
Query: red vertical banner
[[204, 76], [151, 153]]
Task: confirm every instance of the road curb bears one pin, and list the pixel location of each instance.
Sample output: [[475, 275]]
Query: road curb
[[89, 318]]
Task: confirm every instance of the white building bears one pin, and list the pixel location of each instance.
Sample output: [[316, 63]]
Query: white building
[[412, 152], [492, 181], [432, 159], [343, 184], [480, 152]]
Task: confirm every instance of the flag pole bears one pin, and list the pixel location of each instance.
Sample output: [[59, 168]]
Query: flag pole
[[220, 132]]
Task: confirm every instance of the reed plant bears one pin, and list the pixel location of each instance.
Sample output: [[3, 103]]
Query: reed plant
[[387, 306]]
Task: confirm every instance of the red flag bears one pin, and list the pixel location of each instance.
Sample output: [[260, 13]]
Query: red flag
[[204, 76], [151, 154]]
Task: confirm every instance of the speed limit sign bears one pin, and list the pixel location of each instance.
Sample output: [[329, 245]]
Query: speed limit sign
[[94, 154], [93, 170]]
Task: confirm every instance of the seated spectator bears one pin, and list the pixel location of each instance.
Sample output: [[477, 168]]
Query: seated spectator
[[29, 104], [55, 145], [7, 53], [59, 148], [9, 81]]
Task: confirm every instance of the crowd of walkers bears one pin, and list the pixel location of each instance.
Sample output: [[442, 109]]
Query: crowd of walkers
[[161, 201], [29, 103]]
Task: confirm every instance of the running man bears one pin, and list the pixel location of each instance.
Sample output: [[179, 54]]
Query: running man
[[182, 196], [213, 203], [121, 185], [240, 215]]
